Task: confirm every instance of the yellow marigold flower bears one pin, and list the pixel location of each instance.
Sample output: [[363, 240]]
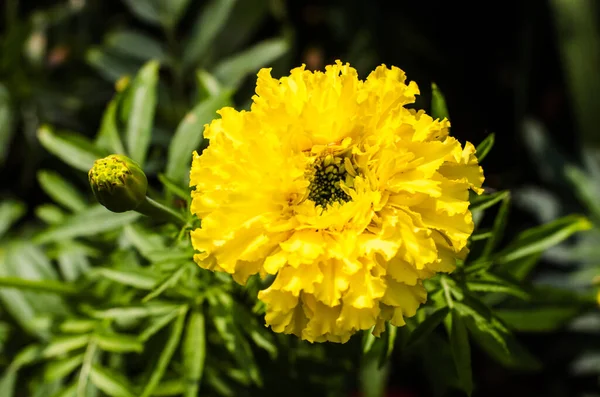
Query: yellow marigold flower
[[334, 186]]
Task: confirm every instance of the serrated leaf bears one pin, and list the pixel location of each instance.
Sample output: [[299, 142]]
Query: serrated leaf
[[189, 135], [10, 212], [542, 237], [485, 201], [439, 110], [95, 220], [232, 71], [58, 369], [141, 97], [484, 147], [73, 149], [461, 352], [194, 352], [209, 23], [108, 382], [61, 191], [426, 327], [118, 343], [165, 356], [494, 283]]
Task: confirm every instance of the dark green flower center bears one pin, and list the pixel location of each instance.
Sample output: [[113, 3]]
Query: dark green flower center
[[327, 174]]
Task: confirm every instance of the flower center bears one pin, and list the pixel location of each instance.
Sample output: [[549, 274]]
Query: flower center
[[326, 175]]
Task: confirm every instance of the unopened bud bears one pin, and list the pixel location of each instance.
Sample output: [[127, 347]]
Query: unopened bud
[[118, 183]]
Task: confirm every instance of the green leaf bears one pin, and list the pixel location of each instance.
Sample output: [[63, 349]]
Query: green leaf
[[461, 352], [58, 369], [50, 213], [168, 282], [71, 148], [6, 122], [148, 11], [542, 237], [503, 347], [111, 66], [368, 341], [51, 286], [173, 187], [64, 344], [156, 324], [439, 110], [61, 191], [483, 320], [484, 147], [165, 357], [389, 341], [485, 201], [194, 352], [77, 325], [132, 312], [118, 343], [497, 284], [170, 387], [520, 268], [208, 85], [585, 188], [95, 220], [142, 102], [232, 71], [108, 137], [497, 228], [189, 135], [143, 240], [109, 382], [10, 212], [138, 279], [136, 45], [208, 24], [426, 327], [538, 319], [235, 343], [158, 12]]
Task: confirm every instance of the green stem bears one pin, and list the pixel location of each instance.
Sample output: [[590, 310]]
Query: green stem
[[158, 211]]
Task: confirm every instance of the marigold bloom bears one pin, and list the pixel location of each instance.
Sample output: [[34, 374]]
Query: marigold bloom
[[332, 185]]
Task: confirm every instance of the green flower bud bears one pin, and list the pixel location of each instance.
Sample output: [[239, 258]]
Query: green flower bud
[[118, 183]]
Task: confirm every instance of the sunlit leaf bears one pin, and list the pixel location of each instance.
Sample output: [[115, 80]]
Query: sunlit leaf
[[61, 191], [542, 237], [93, 221], [189, 135], [439, 110], [109, 382], [10, 212], [484, 147], [118, 343], [142, 103], [71, 148], [58, 369], [233, 70]]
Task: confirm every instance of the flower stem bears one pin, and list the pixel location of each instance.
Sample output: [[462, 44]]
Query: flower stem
[[158, 211]]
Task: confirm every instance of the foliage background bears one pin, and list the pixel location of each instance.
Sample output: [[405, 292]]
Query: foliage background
[[524, 70]]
